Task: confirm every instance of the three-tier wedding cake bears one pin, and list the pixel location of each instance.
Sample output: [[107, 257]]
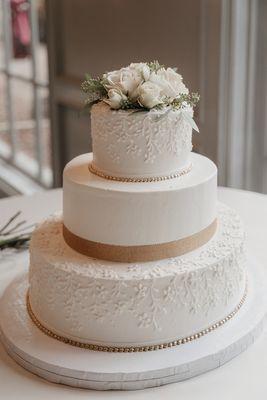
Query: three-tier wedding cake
[[143, 257]]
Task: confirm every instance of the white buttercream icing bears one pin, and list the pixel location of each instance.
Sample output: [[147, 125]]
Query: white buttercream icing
[[154, 302], [132, 144], [124, 214]]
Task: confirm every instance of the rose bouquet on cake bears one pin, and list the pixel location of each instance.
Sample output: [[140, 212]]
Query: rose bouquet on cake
[[141, 87]]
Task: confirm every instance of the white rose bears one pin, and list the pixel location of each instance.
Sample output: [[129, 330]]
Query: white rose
[[143, 68], [149, 95], [130, 80], [144, 73], [112, 79], [126, 80], [170, 82], [115, 98]]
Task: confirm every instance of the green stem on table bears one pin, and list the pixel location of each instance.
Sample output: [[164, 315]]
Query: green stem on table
[[14, 241], [12, 230], [9, 221], [22, 230], [15, 236]]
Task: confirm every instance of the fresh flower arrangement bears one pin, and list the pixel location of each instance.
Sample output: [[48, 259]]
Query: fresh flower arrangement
[[141, 87]]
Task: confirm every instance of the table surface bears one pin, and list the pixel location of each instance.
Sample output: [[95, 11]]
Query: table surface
[[242, 378]]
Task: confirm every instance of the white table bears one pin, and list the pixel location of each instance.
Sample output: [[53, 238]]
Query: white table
[[242, 378]]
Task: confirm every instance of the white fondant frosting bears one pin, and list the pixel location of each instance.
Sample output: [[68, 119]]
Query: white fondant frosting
[[131, 304], [127, 214], [133, 144]]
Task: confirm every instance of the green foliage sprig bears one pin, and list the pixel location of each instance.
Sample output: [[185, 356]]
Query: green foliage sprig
[[155, 66], [15, 234], [184, 99], [94, 89]]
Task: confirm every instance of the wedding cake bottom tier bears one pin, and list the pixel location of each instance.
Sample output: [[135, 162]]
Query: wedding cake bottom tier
[[123, 305]]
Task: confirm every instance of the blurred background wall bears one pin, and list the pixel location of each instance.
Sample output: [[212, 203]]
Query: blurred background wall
[[219, 46]]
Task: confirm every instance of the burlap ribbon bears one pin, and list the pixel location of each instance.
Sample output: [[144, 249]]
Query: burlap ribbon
[[130, 254]]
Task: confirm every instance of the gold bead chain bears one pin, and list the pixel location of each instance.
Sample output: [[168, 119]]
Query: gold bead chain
[[95, 171], [133, 349]]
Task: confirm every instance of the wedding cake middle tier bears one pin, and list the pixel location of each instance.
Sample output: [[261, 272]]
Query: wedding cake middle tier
[[130, 222]]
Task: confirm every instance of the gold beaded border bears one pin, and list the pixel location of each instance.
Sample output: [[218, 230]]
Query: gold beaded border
[[133, 349], [95, 171]]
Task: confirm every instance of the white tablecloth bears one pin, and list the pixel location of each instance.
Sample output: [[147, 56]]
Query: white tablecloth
[[242, 378]]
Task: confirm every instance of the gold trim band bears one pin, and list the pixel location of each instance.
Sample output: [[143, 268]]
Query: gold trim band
[[101, 174], [140, 253], [133, 349]]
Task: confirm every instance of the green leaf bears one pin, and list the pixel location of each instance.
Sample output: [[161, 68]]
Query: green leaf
[[154, 66], [88, 77]]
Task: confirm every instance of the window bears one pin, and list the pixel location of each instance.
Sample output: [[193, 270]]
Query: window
[[24, 118]]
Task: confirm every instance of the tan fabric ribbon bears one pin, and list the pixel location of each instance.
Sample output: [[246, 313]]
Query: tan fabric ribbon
[[129, 254]]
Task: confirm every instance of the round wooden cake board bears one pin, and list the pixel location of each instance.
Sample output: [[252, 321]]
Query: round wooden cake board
[[61, 363]]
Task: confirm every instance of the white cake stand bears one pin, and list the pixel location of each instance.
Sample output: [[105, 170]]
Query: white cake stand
[[61, 363]]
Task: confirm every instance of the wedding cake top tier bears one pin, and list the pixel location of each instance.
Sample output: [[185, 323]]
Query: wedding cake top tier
[[141, 144], [141, 123]]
